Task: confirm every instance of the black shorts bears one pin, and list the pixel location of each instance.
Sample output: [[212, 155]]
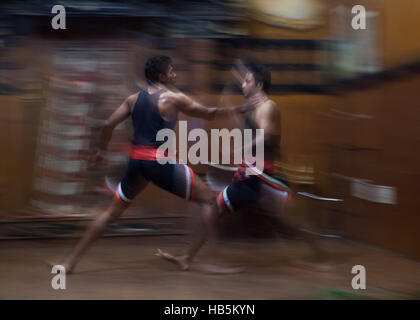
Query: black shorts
[[252, 191], [176, 178]]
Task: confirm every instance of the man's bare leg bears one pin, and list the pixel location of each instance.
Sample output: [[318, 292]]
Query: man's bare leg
[[94, 231], [201, 234], [279, 211], [208, 217], [318, 259]]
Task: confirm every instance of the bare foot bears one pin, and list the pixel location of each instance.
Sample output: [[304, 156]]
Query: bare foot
[[181, 261], [211, 268]]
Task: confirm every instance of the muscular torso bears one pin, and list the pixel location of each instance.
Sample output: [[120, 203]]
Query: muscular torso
[[262, 118], [167, 111], [148, 118]]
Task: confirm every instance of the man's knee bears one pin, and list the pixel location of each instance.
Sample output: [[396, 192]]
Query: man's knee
[[204, 195], [115, 211]]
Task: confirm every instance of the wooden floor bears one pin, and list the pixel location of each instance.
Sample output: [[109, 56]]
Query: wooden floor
[[126, 268]]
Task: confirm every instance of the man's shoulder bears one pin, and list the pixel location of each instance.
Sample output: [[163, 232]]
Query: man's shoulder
[[131, 99], [171, 94], [269, 106], [173, 97], [272, 103]]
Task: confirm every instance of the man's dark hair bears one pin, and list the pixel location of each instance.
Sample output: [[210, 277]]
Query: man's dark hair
[[261, 74], [155, 66]]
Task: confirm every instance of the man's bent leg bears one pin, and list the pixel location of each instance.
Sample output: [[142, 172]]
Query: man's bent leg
[[275, 203], [93, 232], [203, 195], [208, 217]]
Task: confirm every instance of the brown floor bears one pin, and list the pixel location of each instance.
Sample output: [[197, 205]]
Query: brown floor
[[126, 268]]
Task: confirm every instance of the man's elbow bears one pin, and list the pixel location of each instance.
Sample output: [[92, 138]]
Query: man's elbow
[[108, 126], [210, 113]]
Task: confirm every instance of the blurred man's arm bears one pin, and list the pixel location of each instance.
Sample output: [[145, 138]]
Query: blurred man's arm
[[118, 116], [268, 122], [191, 107], [239, 71], [267, 118]]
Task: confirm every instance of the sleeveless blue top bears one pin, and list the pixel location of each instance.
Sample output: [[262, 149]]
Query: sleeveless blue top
[[147, 120]]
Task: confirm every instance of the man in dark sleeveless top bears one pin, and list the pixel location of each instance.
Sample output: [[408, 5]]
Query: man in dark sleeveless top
[[152, 110]]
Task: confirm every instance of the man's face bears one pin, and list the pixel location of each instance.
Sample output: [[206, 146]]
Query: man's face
[[248, 85], [169, 77]]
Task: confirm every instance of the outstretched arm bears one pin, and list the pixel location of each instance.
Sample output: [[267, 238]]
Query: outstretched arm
[[191, 107]]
